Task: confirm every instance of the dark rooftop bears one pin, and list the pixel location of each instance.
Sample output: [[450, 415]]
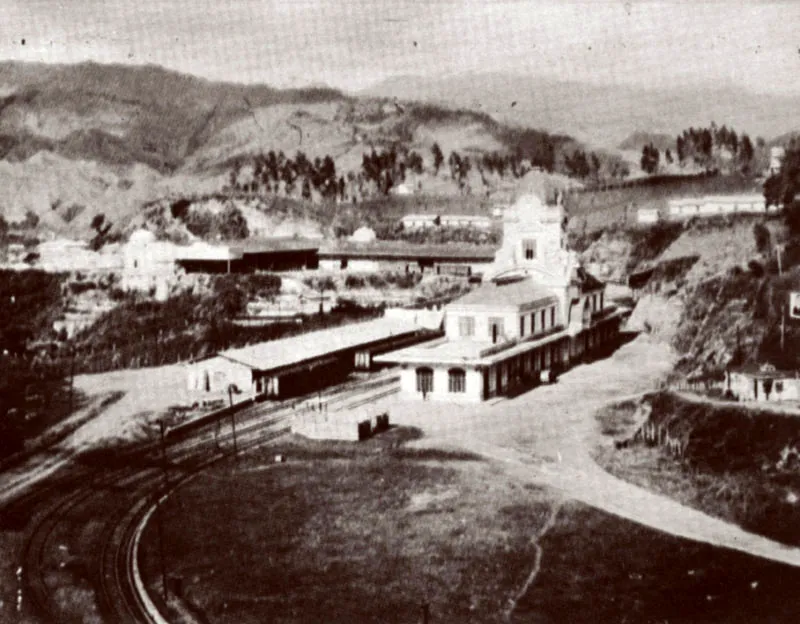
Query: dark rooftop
[[403, 250]]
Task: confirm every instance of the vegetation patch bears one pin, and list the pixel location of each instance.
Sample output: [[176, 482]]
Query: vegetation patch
[[737, 463], [597, 567], [349, 532]]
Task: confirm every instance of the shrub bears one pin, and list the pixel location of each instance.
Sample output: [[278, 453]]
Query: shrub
[[354, 281]]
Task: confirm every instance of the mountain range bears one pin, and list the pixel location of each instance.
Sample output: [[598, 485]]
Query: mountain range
[[77, 140], [602, 116]]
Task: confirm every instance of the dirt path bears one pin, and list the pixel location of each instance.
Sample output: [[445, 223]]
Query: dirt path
[[546, 436]]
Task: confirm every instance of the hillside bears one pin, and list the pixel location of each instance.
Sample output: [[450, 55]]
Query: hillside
[[637, 140], [81, 140], [602, 116]]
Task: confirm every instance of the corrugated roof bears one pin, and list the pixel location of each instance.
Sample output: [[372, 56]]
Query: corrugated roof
[[277, 354], [514, 293], [267, 245], [401, 249]]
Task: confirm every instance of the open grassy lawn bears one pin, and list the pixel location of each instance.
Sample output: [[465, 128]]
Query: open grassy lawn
[[346, 532], [600, 568]]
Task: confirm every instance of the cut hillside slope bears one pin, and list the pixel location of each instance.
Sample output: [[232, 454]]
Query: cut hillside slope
[[719, 300], [727, 460]]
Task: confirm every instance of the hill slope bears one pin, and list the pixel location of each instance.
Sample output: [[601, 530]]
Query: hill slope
[[601, 115]]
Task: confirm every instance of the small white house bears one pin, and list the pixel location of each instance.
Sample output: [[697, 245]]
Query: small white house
[[647, 215], [763, 383]]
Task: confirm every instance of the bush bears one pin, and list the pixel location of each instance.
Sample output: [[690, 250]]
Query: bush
[[354, 281]]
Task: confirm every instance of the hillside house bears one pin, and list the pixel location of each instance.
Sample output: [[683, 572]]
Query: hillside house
[[763, 383], [776, 156], [718, 205], [422, 221], [538, 311]]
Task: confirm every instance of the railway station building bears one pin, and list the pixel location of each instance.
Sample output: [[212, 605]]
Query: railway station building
[[303, 363], [537, 312]]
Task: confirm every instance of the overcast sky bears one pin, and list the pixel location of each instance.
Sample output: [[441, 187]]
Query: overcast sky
[[353, 44]]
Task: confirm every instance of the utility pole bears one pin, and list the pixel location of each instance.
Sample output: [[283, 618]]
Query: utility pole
[[233, 427], [71, 376], [779, 249], [783, 328]]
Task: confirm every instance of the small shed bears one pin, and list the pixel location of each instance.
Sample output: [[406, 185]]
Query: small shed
[[762, 383]]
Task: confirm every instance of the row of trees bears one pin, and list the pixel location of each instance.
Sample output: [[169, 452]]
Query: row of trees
[[271, 172], [389, 167], [705, 147]]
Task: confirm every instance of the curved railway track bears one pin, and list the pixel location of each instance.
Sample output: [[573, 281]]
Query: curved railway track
[[122, 499]]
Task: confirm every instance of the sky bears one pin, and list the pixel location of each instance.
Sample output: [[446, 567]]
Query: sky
[[355, 44]]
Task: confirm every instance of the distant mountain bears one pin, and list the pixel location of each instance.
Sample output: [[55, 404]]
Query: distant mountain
[[123, 114], [87, 139], [639, 139], [600, 115]]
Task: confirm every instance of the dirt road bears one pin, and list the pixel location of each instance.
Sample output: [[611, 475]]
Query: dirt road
[[546, 436]]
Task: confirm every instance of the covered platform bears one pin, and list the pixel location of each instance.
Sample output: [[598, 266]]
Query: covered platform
[[303, 363]]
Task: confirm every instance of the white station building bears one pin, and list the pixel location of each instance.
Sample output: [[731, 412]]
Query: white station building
[[537, 311]]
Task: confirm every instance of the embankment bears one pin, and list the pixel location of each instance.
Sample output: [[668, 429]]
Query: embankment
[[734, 462]]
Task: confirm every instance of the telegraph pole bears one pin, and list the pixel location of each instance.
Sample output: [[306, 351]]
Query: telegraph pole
[[779, 249], [71, 376], [233, 427]]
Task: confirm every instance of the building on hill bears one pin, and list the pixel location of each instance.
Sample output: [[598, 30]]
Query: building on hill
[[763, 382], [148, 264], [422, 221], [716, 205], [776, 156], [538, 311]]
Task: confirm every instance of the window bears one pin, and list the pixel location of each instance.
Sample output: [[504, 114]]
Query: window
[[457, 379], [521, 326], [495, 329], [529, 249], [553, 316], [466, 326], [533, 322], [544, 320], [424, 380]]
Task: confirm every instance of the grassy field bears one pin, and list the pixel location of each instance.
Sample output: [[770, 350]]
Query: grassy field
[[731, 467], [599, 568], [372, 532], [351, 533]]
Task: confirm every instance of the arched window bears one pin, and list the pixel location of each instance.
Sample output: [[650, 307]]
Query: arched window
[[424, 380], [457, 380]]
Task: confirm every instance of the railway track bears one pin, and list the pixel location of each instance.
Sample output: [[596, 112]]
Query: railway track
[[108, 558]]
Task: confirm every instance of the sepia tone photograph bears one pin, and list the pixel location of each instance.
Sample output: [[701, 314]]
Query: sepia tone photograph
[[399, 311]]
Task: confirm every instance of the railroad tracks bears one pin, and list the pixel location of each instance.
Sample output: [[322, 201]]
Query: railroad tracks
[[122, 499]]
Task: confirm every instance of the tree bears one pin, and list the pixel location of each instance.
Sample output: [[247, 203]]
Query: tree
[[306, 192], [650, 158], [668, 156], [438, 157], [746, 152], [762, 238]]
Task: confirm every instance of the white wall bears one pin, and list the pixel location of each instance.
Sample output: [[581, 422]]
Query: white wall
[[441, 385]]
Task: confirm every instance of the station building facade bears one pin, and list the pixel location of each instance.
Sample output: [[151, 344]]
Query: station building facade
[[537, 312]]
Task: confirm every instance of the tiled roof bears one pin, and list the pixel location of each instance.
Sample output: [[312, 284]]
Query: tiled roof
[[514, 293], [276, 354], [400, 249]]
